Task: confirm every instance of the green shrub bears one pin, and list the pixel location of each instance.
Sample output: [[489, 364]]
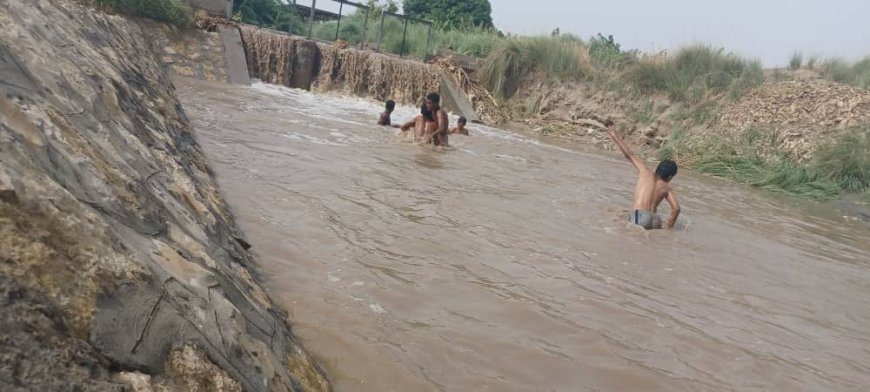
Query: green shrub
[[269, 13], [797, 60], [696, 71], [607, 53], [470, 41], [847, 160], [561, 58], [856, 74], [755, 157], [174, 12]]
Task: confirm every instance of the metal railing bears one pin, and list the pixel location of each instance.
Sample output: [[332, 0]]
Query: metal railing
[[315, 15], [405, 21]]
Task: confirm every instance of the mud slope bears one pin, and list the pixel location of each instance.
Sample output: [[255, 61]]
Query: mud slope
[[119, 260]]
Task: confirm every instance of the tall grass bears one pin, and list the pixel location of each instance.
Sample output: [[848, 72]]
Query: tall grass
[[694, 72], [755, 157], [471, 41], [174, 12], [847, 160], [562, 58], [796, 61], [856, 74]]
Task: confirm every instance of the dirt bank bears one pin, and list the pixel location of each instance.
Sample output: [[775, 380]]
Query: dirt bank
[[120, 263]]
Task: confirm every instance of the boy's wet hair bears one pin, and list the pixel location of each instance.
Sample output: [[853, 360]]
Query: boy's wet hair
[[462, 120], [434, 97], [391, 105], [666, 170]]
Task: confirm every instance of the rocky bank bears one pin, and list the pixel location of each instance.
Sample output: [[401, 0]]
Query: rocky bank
[[121, 266]]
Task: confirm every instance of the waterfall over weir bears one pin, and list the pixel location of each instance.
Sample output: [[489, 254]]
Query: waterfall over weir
[[285, 60]]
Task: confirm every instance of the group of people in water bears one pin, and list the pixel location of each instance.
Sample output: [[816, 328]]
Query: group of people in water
[[431, 126], [652, 188]]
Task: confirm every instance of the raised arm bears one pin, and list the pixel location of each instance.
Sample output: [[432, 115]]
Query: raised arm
[[624, 148], [675, 209]]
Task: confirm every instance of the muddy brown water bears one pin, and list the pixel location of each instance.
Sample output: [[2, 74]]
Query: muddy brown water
[[505, 264]]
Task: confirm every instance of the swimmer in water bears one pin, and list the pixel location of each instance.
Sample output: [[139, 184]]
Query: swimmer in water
[[460, 129], [651, 188], [384, 119], [418, 123], [436, 126], [431, 125]]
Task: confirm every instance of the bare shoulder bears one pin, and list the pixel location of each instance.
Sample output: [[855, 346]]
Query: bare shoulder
[[662, 188]]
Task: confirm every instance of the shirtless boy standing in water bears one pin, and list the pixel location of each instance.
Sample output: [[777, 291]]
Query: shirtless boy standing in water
[[460, 129], [437, 123], [651, 188], [431, 125], [384, 118]]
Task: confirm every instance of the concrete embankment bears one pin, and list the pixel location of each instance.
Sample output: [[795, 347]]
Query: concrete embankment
[[120, 263]]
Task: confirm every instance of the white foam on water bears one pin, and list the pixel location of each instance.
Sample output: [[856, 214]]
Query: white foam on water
[[311, 139], [510, 158], [377, 308], [352, 111]]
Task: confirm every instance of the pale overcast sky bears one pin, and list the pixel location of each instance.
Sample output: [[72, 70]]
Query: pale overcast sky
[[770, 30]]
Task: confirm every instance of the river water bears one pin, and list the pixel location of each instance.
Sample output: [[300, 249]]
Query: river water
[[506, 264]]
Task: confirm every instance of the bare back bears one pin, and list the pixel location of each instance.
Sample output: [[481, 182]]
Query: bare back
[[650, 191]]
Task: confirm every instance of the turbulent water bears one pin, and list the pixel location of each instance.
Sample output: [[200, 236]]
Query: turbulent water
[[506, 263]]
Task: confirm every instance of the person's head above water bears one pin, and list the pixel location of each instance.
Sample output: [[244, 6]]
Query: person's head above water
[[666, 170], [432, 101], [462, 121], [390, 106]]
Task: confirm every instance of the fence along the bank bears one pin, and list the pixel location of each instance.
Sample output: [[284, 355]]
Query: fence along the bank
[[356, 31]]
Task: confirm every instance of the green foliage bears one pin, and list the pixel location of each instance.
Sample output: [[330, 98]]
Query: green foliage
[[376, 8], [675, 145], [643, 114], [704, 112], [797, 60], [450, 14], [561, 58], [471, 41], [269, 13], [694, 72], [847, 160], [173, 12], [755, 157], [751, 158], [856, 74], [605, 52], [780, 175]]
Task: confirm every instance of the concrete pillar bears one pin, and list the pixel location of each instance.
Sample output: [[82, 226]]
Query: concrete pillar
[[306, 64]]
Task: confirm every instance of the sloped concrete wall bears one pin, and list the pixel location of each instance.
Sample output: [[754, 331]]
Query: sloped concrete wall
[[118, 253]]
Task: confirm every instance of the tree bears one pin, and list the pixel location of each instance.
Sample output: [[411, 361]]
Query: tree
[[451, 13], [376, 8], [269, 13]]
